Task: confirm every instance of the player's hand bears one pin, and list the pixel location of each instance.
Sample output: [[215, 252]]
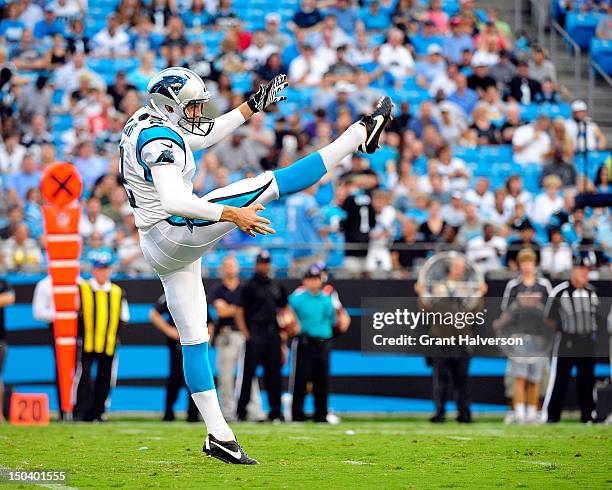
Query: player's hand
[[248, 220], [267, 94]]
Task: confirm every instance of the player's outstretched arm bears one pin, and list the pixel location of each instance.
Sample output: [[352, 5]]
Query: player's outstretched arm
[[229, 122], [176, 200]]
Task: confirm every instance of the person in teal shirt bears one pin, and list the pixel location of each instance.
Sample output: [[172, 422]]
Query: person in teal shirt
[[316, 314]]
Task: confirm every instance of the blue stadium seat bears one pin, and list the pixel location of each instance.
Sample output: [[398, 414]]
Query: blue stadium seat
[[601, 53], [61, 122], [467, 154], [561, 109], [581, 27], [529, 112], [241, 82], [496, 153]]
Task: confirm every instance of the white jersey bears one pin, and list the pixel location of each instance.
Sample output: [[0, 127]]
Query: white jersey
[[148, 140]]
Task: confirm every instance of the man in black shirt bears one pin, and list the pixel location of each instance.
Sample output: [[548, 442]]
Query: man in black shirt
[[523, 89], [408, 251], [7, 297], [162, 320], [526, 239], [260, 300], [227, 338], [573, 309], [480, 80]]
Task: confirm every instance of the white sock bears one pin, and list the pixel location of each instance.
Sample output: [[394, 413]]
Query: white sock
[[532, 412], [208, 405], [519, 409], [342, 146]]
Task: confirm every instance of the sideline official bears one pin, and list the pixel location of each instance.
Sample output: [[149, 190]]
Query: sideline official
[[573, 309], [310, 349], [103, 310], [261, 299]]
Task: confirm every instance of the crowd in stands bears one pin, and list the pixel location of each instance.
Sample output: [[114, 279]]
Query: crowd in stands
[[486, 152]]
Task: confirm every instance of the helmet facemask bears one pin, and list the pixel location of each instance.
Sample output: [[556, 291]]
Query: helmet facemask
[[193, 120]]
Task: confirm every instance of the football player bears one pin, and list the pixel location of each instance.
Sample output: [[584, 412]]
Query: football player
[[176, 227]]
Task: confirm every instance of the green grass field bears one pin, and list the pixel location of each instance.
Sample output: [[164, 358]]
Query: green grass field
[[358, 454]]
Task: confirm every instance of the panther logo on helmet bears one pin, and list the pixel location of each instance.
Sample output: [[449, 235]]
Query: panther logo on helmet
[[170, 82]]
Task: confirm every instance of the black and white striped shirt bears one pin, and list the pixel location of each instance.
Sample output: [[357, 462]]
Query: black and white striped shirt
[[517, 289], [574, 310]]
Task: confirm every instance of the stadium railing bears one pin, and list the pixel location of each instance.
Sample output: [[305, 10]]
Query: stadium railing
[[594, 70], [557, 30]]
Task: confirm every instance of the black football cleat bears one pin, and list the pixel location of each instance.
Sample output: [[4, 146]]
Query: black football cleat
[[227, 451], [375, 123]]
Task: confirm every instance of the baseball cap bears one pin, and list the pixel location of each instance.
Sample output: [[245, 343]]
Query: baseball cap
[[263, 257], [343, 86], [434, 49], [457, 195], [579, 105], [525, 225], [273, 17], [312, 271], [101, 260]]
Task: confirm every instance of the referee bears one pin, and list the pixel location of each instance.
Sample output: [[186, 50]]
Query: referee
[[103, 310], [573, 309]]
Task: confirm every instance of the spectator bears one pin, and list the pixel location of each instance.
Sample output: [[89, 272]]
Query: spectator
[[584, 132], [453, 169], [49, 26], [497, 212], [453, 213], [94, 221], [66, 11], [341, 69], [129, 252], [444, 81], [11, 154], [394, 56], [90, 166], [21, 253], [522, 88], [540, 68], [464, 97], [513, 121], [234, 153], [504, 70], [459, 41], [549, 93], [37, 135], [374, 17], [11, 27], [15, 217], [407, 253], [428, 36], [77, 39], [273, 33], [346, 15], [526, 239], [305, 227], [471, 227], [344, 91], [379, 256], [604, 27], [433, 66], [480, 80], [307, 17], [561, 168], [417, 125], [431, 229], [70, 75], [486, 132], [486, 251], [452, 122], [556, 255], [112, 42], [361, 53], [364, 97], [494, 106], [271, 68], [603, 179], [30, 14], [531, 142], [27, 178], [516, 194], [94, 250], [549, 202], [306, 70]]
